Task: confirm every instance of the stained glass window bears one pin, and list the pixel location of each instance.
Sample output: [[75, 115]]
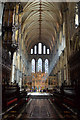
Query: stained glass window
[[33, 65], [46, 66], [44, 49], [39, 64], [76, 16], [35, 49], [39, 48], [31, 51], [47, 51]]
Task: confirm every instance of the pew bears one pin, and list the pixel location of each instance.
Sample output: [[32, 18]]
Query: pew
[[68, 97], [13, 99]]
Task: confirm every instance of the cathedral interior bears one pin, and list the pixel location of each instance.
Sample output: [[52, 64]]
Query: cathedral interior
[[40, 60]]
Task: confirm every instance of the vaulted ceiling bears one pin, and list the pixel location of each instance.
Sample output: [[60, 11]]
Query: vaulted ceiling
[[40, 23]]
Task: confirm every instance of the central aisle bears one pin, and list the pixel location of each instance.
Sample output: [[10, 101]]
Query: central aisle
[[41, 108]]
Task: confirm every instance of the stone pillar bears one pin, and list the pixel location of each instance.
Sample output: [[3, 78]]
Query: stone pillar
[[48, 66], [33, 50], [36, 65], [46, 50], [37, 48], [42, 48], [21, 68], [17, 70], [14, 77], [43, 66], [1, 13], [17, 76], [64, 74], [29, 68], [79, 12], [59, 73], [13, 68], [23, 73]]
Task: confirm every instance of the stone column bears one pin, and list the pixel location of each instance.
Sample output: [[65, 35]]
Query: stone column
[[43, 66], [36, 65], [13, 68], [29, 68], [42, 48], [48, 66], [21, 67], [46, 50], [17, 71], [64, 72], [17, 75], [1, 13], [37, 49], [22, 70], [59, 73], [23, 73], [79, 12]]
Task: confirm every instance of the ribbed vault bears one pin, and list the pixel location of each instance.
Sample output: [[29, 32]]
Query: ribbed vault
[[40, 23]]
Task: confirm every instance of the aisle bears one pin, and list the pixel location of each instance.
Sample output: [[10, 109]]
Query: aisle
[[41, 109]]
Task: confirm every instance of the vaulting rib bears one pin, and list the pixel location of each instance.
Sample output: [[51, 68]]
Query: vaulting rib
[[40, 23]]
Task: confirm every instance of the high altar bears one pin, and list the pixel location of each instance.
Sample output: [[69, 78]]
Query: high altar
[[40, 81]]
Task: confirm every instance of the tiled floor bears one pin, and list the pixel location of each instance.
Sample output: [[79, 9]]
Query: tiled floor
[[41, 109]]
